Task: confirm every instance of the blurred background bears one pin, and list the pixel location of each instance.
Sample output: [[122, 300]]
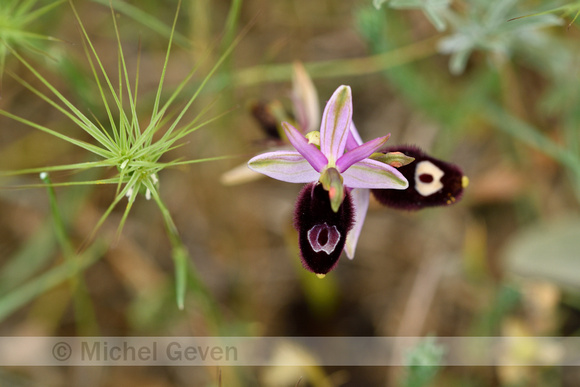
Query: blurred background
[[496, 97]]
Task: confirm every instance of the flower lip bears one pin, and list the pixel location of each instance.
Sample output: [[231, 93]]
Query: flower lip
[[443, 183], [321, 231]]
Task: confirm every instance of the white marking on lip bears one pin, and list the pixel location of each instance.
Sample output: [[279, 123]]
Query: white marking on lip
[[332, 238], [428, 168]]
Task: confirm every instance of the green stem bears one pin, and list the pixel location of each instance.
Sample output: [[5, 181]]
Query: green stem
[[342, 67], [184, 266], [531, 136], [59, 227], [231, 23], [84, 313]]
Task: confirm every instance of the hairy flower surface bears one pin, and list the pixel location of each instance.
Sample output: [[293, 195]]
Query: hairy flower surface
[[321, 231], [432, 182]]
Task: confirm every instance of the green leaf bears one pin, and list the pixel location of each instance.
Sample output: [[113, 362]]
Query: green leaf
[[547, 251], [53, 277], [423, 363], [379, 3]]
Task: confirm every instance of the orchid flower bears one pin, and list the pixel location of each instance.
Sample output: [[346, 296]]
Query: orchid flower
[[324, 212], [432, 183]]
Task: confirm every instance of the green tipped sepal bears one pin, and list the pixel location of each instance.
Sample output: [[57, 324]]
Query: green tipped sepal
[[331, 181], [394, 159]]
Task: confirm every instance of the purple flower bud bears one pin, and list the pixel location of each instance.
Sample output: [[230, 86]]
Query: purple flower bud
[[432, 182], [321, 231]]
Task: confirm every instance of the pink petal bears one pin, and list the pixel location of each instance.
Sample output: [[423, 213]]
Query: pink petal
[[374, 174], [360, 153], [305, 99], [360, 200], [335, 126], [309, 151], [287, 166], [354, 138]]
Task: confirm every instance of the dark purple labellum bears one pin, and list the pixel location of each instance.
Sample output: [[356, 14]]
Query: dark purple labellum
[[432, 182], [321, 231]]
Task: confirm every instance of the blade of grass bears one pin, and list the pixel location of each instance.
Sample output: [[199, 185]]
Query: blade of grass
[[564, 9], [200, 87], [147, 20], [84, 313], [532, 137], [178, 250], [76, 116], [120, 135], [340, 67], [66, 167], [69, 184], [130, 201], [184, 266], [31, 16], [81, 144], [170, 137], [128, 186], [17, 298], [123, 74], [165, 62], [203, 83], [59, 227], [29, 259], [232, 22], [35, 254]]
